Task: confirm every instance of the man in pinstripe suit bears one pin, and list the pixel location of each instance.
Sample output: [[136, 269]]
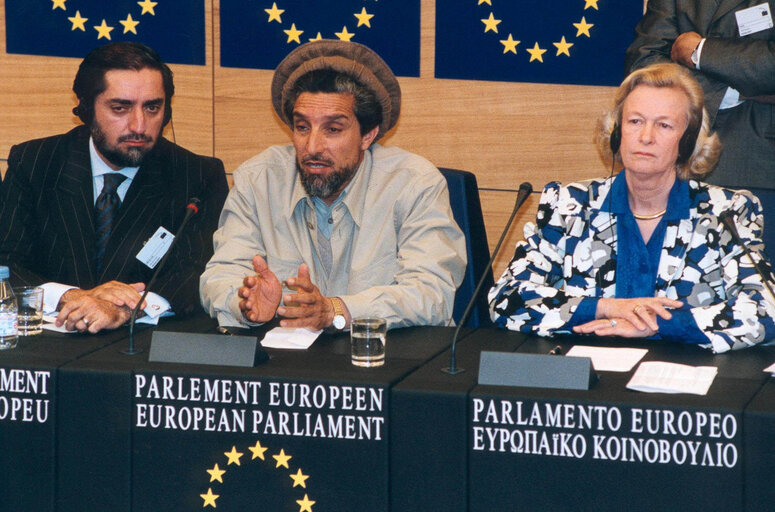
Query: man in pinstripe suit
[[51, 218]]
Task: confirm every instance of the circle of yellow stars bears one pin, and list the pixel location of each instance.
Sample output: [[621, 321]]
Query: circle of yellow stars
[[233, 457], [103, 29], [294, 34], [536, 52]]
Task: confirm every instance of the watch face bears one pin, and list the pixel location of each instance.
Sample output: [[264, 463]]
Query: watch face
[[339, 322]]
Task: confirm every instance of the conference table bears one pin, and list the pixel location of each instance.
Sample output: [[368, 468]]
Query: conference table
[[97, 429]]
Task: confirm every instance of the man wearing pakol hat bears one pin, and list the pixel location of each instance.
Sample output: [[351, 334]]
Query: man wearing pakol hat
[[335, 226]]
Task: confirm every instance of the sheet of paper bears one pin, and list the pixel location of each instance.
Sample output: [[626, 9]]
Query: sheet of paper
[[607, 359], [770, 369], [292, 338], [660, 377]]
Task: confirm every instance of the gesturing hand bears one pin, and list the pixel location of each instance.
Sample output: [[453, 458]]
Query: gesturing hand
[[260, 293], [307, 307]]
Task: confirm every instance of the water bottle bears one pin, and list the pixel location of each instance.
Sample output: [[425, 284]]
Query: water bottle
[[8, 311]]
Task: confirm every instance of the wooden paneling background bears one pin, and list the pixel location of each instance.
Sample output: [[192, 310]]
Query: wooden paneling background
[[505, 133]]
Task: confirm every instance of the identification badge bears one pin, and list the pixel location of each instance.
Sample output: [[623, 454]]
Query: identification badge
[[754, 19], [155, 248]]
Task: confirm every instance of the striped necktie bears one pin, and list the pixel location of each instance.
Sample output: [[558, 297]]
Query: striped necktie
[[105, 208]]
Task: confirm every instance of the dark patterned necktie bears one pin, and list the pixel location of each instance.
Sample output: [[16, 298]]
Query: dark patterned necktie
[[105, 208]]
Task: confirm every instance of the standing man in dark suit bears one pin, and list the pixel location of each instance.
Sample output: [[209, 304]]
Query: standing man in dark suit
[[730, 47], [75, 209]]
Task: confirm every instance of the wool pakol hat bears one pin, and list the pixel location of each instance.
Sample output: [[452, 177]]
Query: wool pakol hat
[[354, 59]]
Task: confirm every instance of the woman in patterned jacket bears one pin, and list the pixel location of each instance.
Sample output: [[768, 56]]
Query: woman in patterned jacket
[[643, 254]]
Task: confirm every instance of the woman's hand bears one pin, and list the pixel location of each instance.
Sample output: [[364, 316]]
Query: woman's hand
[[629, 318]]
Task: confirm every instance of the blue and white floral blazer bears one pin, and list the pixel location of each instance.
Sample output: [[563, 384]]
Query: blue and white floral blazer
[[570, 253]]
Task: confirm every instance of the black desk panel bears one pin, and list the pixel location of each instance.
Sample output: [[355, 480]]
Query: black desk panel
[[759, 436], [610, 448], [28, 414], [429, 427], [156, 436]]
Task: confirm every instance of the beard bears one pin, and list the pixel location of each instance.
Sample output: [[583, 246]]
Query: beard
[[317, 185], [130, 157]]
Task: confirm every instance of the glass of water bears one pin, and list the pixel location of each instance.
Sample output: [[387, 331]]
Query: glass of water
[[367, 340], [30, 304]]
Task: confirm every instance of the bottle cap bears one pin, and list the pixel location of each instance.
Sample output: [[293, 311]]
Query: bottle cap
[[4, 273]]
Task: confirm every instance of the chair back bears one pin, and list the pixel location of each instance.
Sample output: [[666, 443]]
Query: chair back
[[467, 210]]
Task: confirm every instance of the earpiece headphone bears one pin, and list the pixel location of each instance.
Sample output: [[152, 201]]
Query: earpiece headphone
[[616, 138]]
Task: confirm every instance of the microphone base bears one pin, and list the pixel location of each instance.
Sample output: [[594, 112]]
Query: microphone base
[[131, 351], [452, 371]]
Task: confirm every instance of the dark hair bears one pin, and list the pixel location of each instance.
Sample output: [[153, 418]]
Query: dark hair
[[366, 107], [90, 80]]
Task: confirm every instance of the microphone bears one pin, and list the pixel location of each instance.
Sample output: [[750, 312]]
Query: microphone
[[192, 208], [524, 192], [726, 218]]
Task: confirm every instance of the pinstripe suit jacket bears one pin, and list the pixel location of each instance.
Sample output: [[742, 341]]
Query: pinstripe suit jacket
[[47, 217]]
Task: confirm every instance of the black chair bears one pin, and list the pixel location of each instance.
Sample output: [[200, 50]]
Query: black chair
[[467, 210]]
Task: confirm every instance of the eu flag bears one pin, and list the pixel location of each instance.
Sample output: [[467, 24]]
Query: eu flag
[[260, 33], [546, 41], [71, 28]]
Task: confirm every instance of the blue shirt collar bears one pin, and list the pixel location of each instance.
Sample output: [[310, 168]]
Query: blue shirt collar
[[677, 201]]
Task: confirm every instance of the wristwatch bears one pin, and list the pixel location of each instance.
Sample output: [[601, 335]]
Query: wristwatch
[[339, 320]]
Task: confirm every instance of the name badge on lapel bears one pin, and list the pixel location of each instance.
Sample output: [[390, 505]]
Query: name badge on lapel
[[754, 19], [154, 249]]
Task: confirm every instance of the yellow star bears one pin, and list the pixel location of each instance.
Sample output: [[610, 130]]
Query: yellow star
[[216, 473], [363, 18], [258, 451], [344, 35], [536, 53], [147, 6], [60, 4], [129, 24], [510, 45], [563, 46], [274, 13], [488, 2], [78, 21], [317, 37], [103, 30], [491, 24], [293, 34], [233, 456], [282, 459], [209, 498], [591, 3], [299, 479], [583, 27], [305, 504]]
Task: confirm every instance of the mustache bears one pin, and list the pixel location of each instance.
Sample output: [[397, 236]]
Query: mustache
[[316, 158], [135, 137]]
